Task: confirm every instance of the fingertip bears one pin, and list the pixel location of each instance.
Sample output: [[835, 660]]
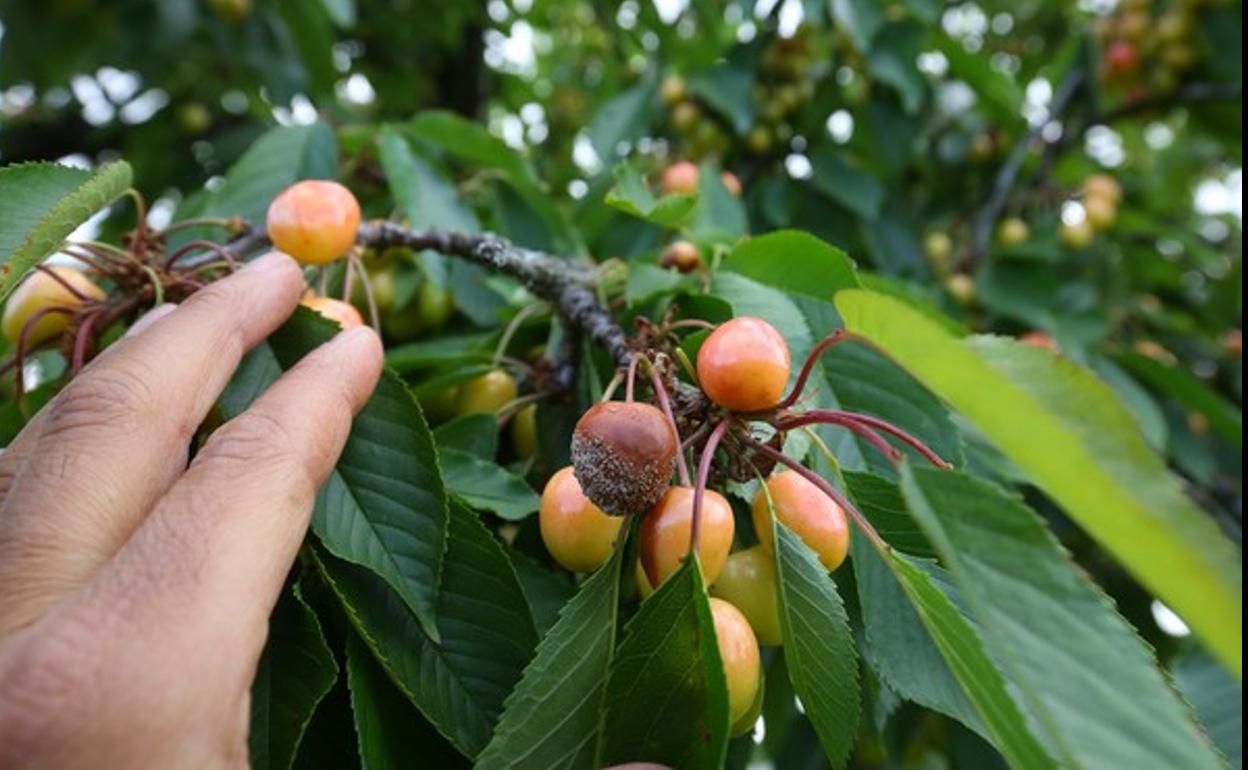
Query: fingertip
[[150, 317], [363, 356]]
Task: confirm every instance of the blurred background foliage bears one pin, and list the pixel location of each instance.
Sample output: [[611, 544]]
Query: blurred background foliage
[[947, 147]]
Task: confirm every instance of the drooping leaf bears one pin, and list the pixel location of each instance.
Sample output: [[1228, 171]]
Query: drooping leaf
[[720, 215], [622, 118], [552, 718], [997, 91], [427, 198], [818, 646], [547, 590], [42, 203], [295, 672], [459, 683], [390, 730], [383, 506], [1091, 683], [666, 699], [632, 195], [1224, 417], [1217, 698], [727, 90], [1062, 426]]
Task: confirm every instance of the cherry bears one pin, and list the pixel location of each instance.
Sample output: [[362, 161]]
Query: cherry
[[434, 305], [1122, 59], [624, 454], [1102, 186], [314, 221], [524, 432], [808, 512], [1042, 340], [1232, 343], [939, 248], [343, 313], [1013, 231], [961, 287], [665, 534], [1077, 235], [680, 178], [748, 581], [744, 365], [685, 117], [682, 256], [731, 183], [672, 89], [738, 651], [40, 291], [1100, 212], [576, 532], [486, 394]]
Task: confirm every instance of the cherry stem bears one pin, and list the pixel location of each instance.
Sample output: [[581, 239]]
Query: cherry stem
[[64, 284], [631, 377], [370, 299], [832, 492], [513, 326], [863, 421], [82, 339], [182, 224], [192, 246], [699, 487], [612, 385], [696, 323], [348, 279], [660, 392], [846, 421], [834, 338], [19, 354], [104, 264]]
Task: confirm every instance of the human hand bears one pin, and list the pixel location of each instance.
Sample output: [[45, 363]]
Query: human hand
[[135, 590]]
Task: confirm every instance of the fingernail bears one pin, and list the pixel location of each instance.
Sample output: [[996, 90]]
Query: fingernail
[[358, 335], [150, 317], [274, 260]]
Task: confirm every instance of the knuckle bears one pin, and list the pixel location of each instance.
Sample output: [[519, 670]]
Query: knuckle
[[106, 397], [47, 681], [257, 442]]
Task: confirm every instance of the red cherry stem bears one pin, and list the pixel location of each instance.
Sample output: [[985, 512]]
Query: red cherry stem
[[19, 354], [660, 392], [862, 424], [82, 338], [105, 265], [832, 492], [847, 422], [187, 248], [699, 487], [838, 336], [64, 284]]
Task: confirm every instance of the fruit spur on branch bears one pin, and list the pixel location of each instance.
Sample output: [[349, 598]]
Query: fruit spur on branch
[[74, 305], [625, 453]]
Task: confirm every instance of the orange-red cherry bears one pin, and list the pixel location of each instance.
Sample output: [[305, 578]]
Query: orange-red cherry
[[576, 532], [808, 512], [315, 221], [680, 178], [624, 454], [744, 365], [343, 313], [665, 534]]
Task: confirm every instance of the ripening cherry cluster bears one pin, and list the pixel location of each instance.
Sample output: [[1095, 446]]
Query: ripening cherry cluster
[[1146, 50], [624, 456], [683, 178]]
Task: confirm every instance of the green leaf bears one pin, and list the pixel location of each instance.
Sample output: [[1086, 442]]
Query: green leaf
[[42, 203], [793, 261], [486, 485], [645, 282], [487, 633], [666, 698], [443, 351], [624, 117], [881, 502], [552, 718], [861, 20], [893, 60], [720, 215], [996, 91], [383, 506], [1224, 417], [547, 590], [389, 728], [295, 672], [474, 434], [727, 89], [846, 183], [632, 195], [818, 646], [1091, 683], [1064, 427], [277, 160], [426, 197], [1217, 697]]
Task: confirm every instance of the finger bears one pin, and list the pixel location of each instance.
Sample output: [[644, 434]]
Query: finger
[[117, 436], [14, 455], [213, 554]]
